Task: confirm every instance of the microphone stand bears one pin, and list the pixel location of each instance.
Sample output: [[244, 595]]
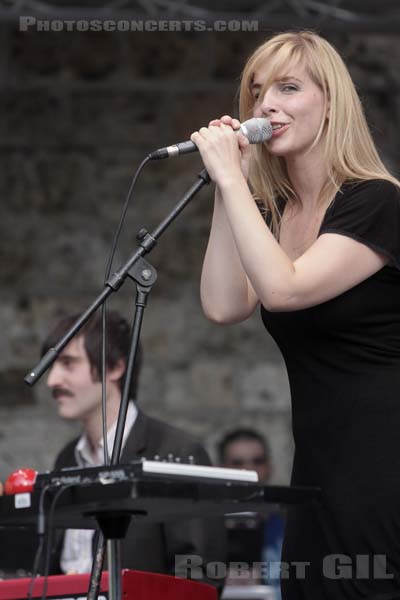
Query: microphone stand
[[114, 527], [147, 242]]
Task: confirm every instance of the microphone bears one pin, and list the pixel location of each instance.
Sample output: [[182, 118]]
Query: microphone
[[257, 130]]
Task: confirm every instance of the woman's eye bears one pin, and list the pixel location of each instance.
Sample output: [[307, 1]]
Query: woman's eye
[[289, 87]]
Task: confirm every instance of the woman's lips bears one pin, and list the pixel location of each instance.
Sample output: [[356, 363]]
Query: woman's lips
[[279, 131]]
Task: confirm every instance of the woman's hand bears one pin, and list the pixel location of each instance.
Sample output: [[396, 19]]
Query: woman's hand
[[225, 153]]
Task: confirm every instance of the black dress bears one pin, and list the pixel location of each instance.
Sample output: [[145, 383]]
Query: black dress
[[343, 362]]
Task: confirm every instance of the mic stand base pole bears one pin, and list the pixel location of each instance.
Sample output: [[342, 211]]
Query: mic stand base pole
[[114, 569], [108, 525]]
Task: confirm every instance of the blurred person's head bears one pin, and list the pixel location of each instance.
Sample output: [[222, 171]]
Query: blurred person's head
[[75, 377], [246, 449]]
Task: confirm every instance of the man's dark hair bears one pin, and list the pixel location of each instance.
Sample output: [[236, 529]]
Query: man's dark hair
[[117, 344], [242, 434]]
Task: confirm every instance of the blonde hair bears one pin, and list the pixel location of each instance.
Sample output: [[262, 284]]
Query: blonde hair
[[350, 152]]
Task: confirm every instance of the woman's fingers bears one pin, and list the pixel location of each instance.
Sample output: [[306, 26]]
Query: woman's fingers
[[225, 120], [228, 120], [210, 133], [235, 124], [203, 130], [218, 142]]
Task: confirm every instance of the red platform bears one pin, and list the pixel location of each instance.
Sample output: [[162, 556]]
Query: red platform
[[136, 585]]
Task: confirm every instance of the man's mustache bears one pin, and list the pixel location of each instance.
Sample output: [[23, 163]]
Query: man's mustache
[[60, 391]]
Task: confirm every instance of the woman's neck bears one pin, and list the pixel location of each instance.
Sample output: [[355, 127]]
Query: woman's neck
[[308, 175]]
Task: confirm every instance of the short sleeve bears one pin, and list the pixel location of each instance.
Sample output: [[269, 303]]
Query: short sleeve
[[369, 212]]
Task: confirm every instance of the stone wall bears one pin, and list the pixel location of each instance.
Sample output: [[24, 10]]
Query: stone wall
[[79, 112]]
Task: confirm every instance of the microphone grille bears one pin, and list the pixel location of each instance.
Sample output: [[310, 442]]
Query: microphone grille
[[257, 130]]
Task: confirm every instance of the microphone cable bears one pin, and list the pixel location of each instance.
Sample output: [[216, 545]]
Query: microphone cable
[[41, 532], [104, 309], [49, 540], [98, 557]]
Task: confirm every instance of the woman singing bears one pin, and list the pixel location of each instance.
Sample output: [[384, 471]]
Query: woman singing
[[308, 225]]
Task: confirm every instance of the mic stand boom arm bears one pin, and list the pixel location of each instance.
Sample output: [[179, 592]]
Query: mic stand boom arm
[[147, 242]]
